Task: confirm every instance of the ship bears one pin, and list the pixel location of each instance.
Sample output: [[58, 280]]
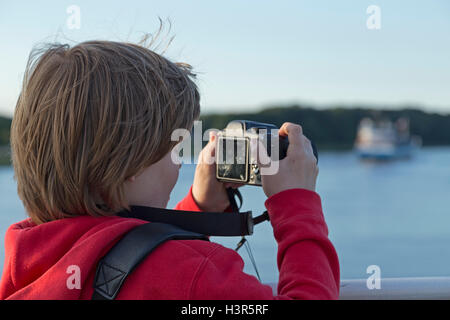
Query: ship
[[385, 140]]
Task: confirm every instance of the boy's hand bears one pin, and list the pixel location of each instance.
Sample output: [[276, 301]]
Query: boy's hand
[[209, 193], [299, 169]]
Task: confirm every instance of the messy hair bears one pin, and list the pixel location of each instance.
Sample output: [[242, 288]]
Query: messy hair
[[89, 117]]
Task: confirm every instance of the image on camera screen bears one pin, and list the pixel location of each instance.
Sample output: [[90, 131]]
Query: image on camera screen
[[232, 158]]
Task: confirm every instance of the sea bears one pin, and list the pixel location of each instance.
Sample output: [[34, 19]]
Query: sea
[[394, 215]]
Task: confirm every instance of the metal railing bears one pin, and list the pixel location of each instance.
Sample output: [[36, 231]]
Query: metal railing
[[434, 288]]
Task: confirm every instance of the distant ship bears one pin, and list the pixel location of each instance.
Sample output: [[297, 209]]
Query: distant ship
[[385, 140]]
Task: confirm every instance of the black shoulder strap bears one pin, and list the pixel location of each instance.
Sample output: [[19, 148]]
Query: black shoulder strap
[[126, 254], [210, 223]]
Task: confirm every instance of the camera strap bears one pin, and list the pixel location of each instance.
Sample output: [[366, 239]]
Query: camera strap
[[209, 223], [121, 260], [232, 194]]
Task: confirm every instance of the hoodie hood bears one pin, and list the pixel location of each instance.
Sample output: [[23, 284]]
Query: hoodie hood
[[61, 255]]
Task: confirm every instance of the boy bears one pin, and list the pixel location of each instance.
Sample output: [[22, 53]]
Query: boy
[[91, 136]]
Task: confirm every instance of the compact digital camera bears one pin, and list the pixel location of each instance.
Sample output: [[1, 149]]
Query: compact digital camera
[[235, 158]]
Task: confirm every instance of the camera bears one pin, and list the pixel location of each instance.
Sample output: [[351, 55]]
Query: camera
[[236, 161]]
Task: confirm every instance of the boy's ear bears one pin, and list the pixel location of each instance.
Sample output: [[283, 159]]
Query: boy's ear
[[131, 179]]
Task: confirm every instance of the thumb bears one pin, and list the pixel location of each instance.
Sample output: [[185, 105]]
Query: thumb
[[212, 136], [207, 155], [212, 143]]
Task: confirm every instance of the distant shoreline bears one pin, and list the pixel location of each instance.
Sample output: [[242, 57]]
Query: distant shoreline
[[5, 160], [331, 129]]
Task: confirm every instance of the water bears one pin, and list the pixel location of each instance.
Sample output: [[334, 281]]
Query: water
[[395, 215]]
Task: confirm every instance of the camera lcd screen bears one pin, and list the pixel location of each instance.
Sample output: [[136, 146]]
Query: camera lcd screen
[[232, 157]]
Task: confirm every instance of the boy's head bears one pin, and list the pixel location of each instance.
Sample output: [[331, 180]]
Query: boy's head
[[89, 118]]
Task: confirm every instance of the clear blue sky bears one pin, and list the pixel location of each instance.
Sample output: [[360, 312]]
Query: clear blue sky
[[250, 54]]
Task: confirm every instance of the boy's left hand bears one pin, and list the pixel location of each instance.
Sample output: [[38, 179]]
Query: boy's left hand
[[209, 193]]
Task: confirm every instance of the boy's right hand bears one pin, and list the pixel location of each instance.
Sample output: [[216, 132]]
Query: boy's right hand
[[298, 169]]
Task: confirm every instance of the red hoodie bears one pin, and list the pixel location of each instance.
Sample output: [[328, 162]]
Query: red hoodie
[[40, 259]]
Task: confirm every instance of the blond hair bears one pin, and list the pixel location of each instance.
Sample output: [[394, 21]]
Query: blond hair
[[91, 116]]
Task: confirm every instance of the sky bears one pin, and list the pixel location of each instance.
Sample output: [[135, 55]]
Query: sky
[[252, 54]]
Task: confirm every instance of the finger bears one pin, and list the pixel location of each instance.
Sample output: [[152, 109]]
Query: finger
[[307, 146], [295, 136], [207, 155], [212, 134], [307, 143], [289, 127], [212, 142]]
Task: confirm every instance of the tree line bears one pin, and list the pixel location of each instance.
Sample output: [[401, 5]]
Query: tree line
[[335, 128], [332, 128]]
